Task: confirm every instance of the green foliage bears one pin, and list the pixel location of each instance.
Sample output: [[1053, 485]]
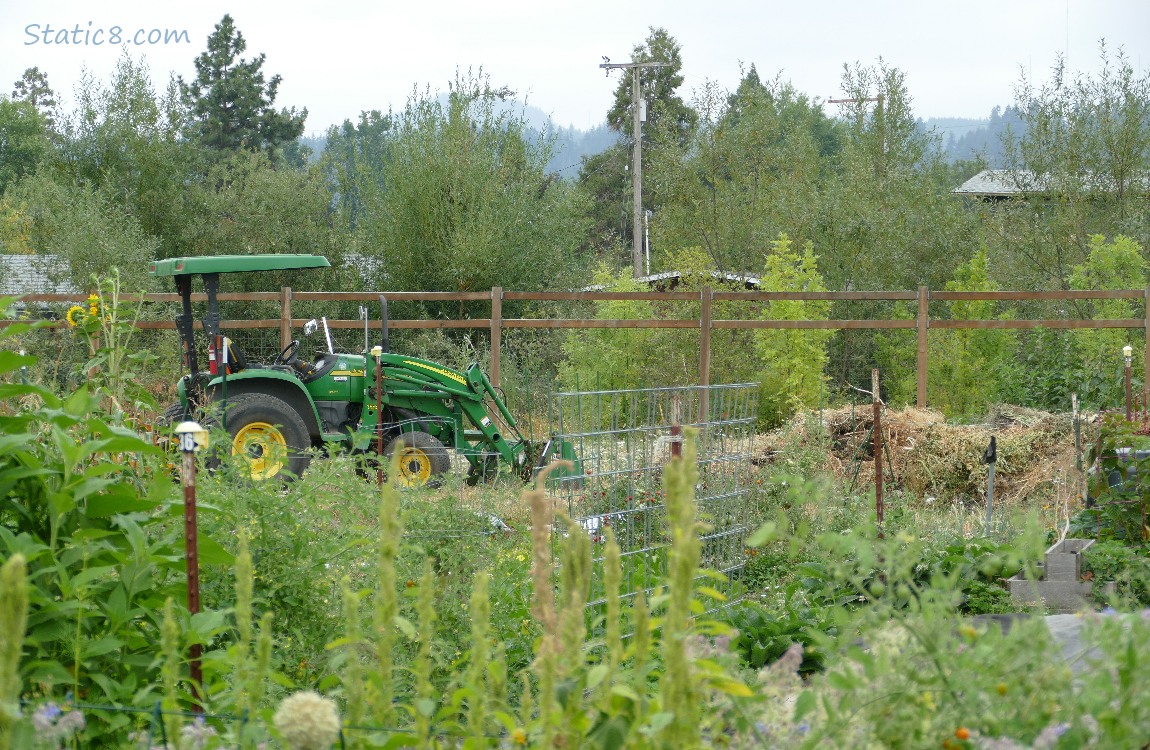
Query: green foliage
[[24, 142], [232, 105], [13, 620], [968, 367], [247, 206], [788, 362], [1124, 563], [462, 202], [630, 357], [89, 229], [1110, 265], [603, 180], [792, 360], [115, 368], [125, 140], [80, 501], [749, 172], [348, 156], [765, 635], [1084, 138], [886, 219], [1118, 485]]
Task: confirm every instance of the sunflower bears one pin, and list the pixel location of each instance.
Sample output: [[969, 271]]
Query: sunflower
[[75, 315]]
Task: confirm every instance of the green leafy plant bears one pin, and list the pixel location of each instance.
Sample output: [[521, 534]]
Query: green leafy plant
[[792, 360], [764, 635], [1127, 565], [1117, 486], [81, 501]]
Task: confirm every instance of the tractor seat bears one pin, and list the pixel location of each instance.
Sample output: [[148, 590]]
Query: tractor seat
[[309, 371], [236, 359]]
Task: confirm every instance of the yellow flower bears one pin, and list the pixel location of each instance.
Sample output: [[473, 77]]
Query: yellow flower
[[72, 317], [518, 736], [307, 721]]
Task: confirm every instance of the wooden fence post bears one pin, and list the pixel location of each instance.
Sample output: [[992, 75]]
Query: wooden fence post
[[923, 323], [285, 316], [876, 447], [705, 354], [1146, 360], [496, 334]]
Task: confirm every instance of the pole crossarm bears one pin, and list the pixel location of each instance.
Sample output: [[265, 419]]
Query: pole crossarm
[[617, 66], [637, 242]]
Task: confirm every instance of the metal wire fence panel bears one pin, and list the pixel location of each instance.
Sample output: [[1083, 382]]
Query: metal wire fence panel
[[623, 439]]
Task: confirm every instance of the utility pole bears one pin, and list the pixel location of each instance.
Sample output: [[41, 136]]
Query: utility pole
[[880, 165], [636, 156]]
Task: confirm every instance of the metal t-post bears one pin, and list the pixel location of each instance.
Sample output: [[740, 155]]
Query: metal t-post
[[990, 457], [192, 436]]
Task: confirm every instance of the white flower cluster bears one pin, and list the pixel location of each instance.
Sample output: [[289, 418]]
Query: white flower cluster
[[307, 721]]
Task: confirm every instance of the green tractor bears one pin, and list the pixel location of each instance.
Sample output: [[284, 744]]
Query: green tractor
[[372, 402]]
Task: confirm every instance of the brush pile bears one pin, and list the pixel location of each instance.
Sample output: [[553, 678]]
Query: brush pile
[[928, 457]]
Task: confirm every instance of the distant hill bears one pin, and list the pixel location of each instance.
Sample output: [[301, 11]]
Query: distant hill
[[569, 147], [964, 139], [960, 138]]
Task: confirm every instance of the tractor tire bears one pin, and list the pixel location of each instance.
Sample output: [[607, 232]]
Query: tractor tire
[[423, 458], [269, 439], [170, 417]]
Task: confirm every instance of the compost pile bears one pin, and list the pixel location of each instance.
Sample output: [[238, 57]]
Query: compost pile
[[931, 458]]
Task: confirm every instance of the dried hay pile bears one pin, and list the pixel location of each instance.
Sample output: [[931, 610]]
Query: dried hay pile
[[929, 457]]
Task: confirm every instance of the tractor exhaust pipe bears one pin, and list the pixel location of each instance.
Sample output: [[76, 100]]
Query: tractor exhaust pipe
[[383, 322]]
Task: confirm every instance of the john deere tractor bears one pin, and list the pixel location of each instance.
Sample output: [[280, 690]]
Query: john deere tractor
[[374, 401]]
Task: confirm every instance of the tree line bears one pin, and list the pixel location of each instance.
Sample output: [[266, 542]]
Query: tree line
[[453, 191]]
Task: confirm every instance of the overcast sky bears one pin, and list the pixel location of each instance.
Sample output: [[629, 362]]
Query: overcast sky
[[337, 59]]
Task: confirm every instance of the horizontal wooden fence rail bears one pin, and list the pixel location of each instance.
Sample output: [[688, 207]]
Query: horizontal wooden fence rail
[[496, 323]]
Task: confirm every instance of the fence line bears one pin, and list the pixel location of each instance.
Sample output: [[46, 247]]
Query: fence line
[[496, 323]]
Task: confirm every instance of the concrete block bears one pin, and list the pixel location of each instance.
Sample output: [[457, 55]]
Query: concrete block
[[1060, 589]]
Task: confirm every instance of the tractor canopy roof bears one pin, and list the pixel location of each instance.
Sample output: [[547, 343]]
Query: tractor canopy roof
[[234, 263]]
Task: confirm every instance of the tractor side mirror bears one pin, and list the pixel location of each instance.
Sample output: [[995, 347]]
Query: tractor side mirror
[[310, 327]]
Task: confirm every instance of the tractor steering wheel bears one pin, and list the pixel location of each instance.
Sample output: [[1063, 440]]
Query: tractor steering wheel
[[288, 354]]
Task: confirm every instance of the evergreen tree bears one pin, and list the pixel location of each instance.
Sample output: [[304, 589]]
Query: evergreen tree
[[33, 88], [231, 103], [666, 110], [606, 176]]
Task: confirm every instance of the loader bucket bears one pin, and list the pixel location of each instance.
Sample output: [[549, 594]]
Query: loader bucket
[[561, 477]]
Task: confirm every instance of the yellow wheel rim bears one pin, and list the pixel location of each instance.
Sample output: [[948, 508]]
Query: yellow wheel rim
[[263, 448], [414, 467]]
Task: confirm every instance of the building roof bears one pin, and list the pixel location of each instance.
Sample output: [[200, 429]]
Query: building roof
[[34, 274], [1008, 183], [671, 279], [1001, 183]]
